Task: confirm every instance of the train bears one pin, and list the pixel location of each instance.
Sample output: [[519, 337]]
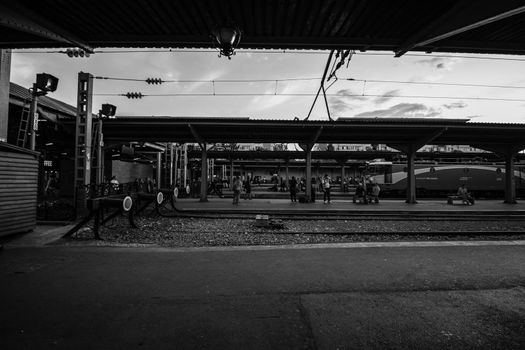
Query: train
[[433, 179]]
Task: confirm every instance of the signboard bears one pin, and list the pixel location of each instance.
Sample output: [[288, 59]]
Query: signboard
[[35, 121]]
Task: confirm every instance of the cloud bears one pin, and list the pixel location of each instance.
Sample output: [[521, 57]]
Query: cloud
[[339, 106], [439, 62], [345, 101], [455, 105], [349, 94], [387, 96], [405, 110]]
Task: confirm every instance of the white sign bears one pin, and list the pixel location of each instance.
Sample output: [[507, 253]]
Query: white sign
[[35, 121]]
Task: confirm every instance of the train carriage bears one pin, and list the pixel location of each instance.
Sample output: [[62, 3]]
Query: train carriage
[[439, 179]]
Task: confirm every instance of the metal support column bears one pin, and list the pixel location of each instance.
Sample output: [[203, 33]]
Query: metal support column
[[176, 168], [100, 152], [231, 174], [184, 154], [83, 130], [510, 180], [159, 170], [204, 174], [308, 174], [287, 164], [5, 72], [342, 176], [33, 118], [171, 165], [411, 176]]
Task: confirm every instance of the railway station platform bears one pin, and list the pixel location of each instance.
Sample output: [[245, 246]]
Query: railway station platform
[[345, 207]]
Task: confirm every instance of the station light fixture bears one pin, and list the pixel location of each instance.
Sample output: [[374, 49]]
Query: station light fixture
[[46, 82], [108, 110], [226, 39]]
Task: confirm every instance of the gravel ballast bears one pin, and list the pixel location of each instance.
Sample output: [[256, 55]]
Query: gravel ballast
[[199, 232]]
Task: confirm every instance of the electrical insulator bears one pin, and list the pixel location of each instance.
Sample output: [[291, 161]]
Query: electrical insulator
[[76, 53], [154, 81], [134, 95]]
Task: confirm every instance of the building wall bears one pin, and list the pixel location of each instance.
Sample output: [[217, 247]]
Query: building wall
[[18, 190], [129, 171]]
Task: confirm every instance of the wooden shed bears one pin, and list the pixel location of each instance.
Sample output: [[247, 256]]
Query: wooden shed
[[18, 189]]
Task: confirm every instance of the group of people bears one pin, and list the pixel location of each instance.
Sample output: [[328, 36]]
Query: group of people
[[325, 183], [367, 194], [238, 186]]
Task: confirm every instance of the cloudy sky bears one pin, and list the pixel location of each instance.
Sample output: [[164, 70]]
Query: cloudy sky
[[357, 98]]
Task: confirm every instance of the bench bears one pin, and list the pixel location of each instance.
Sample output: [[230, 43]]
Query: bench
[[451, 198]]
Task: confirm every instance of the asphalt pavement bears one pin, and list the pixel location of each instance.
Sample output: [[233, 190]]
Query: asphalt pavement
[[351, 296]]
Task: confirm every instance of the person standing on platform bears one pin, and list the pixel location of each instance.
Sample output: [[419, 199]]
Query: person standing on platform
[[375, 192], [326, 188], [248, 188], [293, 189], [237, 188], [464, 195]]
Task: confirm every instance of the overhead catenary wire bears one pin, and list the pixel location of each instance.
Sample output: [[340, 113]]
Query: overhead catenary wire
[[312, 94], [209, 80], [436, 83], [315, 78]]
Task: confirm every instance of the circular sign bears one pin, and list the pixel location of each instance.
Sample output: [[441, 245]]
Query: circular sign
[[127, 203], [160, 197]]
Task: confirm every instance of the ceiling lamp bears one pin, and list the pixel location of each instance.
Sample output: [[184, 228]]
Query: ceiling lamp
[[226, 39]]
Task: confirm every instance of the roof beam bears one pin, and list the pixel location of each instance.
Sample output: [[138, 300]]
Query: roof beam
[[21, 18], [462, 17], [258, 42], [315, 136], [197, 136]]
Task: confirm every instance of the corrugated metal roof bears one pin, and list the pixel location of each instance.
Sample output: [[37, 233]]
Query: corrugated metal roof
[[393, 131], [4, 146], [278, 24], [48, 103]]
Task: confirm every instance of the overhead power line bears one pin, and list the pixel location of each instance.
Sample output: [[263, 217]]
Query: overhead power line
[[437, 83], [207, 80], [331, 95], [161, 81]]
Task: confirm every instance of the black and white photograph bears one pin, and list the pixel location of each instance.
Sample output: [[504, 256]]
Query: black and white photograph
[[262, 174]]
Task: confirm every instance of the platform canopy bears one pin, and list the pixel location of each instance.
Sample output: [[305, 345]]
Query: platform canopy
[[352, 130], [396, 25]]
